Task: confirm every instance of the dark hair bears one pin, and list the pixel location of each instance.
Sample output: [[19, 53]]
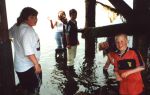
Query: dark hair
[[72, 11], [25, 13]]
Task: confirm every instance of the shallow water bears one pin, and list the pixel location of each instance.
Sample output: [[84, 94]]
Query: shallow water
[[58, 80]]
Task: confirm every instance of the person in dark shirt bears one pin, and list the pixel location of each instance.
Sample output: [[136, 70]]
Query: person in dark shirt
[[71, 38]]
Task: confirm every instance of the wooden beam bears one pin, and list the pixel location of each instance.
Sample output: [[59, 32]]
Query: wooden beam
[[112, 30], [3, 22], [108, 7], [105, 31], [142, 17], [90, 13], [123, 8], [90, 22], [7, 80]]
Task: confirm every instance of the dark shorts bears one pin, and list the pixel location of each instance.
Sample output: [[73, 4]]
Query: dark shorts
[[29, 80]]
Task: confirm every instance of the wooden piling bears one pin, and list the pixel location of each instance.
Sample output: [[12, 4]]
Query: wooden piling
[[7, 80]]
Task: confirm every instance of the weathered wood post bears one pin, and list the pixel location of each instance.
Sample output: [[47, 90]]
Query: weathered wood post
[[142, 12], [89, 39], [7, 81], [138, 18]]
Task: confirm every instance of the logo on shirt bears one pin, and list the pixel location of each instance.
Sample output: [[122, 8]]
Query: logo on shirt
[[129, 64]]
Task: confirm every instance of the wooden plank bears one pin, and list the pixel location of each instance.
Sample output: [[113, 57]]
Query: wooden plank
[[112, 30], [142, 17], [123, 8], [3, 22], [7, 80], [90, 22]]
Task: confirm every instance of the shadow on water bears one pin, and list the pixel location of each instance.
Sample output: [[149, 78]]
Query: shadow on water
[[146, 79], [83, 81], [88, 79], [110, 85]]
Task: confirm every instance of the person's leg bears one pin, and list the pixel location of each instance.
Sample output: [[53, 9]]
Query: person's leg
[[28, 80], [71, 54], [58, 37], [39, 77], [70, 61], [74, 51], [70, 57]]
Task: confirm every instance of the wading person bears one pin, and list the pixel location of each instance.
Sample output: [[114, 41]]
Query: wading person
[[27, 51], [72, 38], [64, 21], [60, 51], [128, 65], [59, 29]]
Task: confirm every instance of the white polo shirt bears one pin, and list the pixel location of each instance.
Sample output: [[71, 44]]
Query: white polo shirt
[[26, 42]]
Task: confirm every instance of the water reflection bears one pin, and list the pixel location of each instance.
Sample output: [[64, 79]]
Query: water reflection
[[84, 80], [71, 85], [65, 79], [87, 81]]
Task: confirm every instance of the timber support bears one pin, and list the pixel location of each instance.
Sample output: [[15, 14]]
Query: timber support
[[7, 80]]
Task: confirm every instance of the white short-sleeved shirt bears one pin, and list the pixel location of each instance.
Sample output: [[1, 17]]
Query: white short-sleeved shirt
[[59, 26], [26, 42]]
